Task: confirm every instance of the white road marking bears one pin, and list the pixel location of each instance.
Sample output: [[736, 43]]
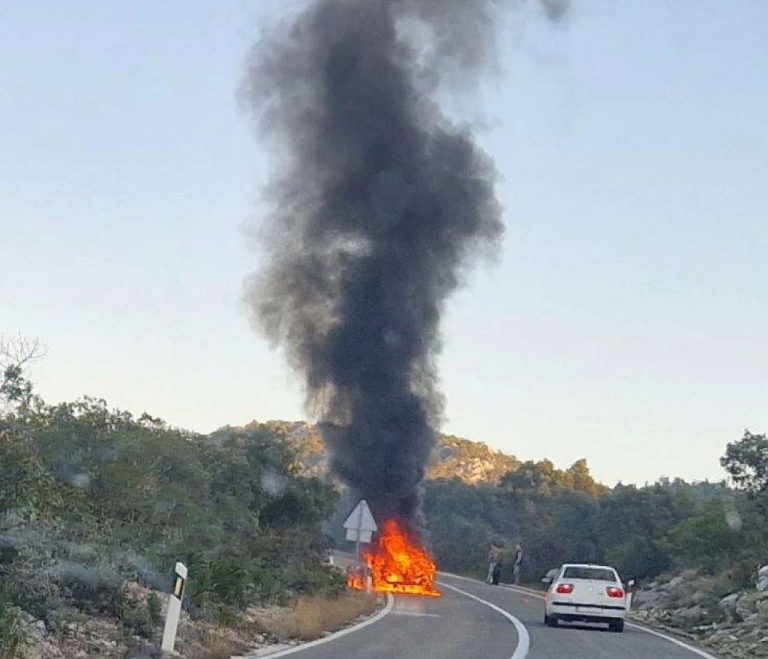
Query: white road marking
[[523, 639], [458, 576], [416, 614], [647, 630], [672, 639], [330, 637], [642, 628]]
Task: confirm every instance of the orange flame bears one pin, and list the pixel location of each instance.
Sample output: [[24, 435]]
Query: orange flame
[[356, 579], [398, 564]]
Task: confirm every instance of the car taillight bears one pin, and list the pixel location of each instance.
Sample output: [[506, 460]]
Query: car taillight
[[564, 588], [614, 592]]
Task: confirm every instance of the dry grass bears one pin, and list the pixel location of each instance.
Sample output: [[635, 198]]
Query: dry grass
[[212, 644], [222, 648], [311, 617], [209, 640]]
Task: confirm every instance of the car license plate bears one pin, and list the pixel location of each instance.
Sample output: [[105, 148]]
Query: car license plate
[[587, 609]]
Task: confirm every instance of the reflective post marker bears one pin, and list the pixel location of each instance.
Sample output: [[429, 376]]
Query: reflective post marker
[[174, 607], [630, 591]]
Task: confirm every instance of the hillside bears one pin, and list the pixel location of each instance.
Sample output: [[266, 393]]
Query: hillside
[[96, 505], [475, 496], [473, 463]]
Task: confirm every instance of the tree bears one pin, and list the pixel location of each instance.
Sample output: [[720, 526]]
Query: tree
[[15, 353], [26, 487], [532, 475], [746, 461], [582, 480], [707, 539]]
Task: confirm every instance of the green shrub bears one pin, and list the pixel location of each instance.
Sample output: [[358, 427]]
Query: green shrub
[[638, 558], [707, 540], [13, 634], [27, 583], [92, 589], [136, 617], [26, 487], [326, 582], [95, 497], [225, 616], [155, 607]]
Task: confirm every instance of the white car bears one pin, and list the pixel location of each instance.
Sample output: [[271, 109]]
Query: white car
[[586, 593]]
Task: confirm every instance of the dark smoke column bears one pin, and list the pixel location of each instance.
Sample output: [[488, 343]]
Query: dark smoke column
[[379, 203]]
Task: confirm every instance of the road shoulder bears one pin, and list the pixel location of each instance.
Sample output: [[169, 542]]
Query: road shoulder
[[274, 653]]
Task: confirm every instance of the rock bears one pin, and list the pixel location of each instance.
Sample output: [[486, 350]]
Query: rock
[[735, 626], [747, 604], [691, 615], [762, 605], [762, 573], [647, 599], [146, 651], [728, 605]]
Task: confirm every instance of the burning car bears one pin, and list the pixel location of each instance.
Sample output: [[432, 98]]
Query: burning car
[[396, 564]]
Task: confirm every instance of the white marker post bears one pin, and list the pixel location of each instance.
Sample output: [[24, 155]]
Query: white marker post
[[630, 592], [174, 607]]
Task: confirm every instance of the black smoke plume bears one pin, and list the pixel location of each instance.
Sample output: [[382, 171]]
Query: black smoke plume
[[379, 203]]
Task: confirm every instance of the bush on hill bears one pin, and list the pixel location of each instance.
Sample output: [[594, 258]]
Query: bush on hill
[[92, 498]]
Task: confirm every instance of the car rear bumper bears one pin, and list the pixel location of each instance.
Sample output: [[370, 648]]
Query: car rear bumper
[[586, 612]]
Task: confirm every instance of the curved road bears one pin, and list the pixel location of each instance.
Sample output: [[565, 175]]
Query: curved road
[[474, 620]]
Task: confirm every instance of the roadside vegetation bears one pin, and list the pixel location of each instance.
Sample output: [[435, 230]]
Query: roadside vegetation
[[96, 503], [564, 515]]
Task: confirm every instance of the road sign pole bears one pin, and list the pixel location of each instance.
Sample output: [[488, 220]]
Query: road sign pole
[[360, 525], [359, 530]]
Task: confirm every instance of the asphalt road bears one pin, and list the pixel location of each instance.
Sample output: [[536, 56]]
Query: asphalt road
[[573, 641], [474, 620]]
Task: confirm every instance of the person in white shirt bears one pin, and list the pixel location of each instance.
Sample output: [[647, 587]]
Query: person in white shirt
[[517, 565]]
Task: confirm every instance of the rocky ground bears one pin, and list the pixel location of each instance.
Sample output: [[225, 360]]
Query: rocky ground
[[84, 636], [251, 631], [732, 623]]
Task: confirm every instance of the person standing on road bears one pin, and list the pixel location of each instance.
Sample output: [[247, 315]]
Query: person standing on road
[[517, 565], [496, 572], [493, 559]]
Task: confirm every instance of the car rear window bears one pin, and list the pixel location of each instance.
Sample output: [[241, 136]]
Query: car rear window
[[593, 573]]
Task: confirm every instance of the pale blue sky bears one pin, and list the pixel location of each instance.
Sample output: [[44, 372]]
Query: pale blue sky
[[624, 322]]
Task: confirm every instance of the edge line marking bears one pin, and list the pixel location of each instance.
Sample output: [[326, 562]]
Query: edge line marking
[[523, 639], [330, 637], [642, 628]]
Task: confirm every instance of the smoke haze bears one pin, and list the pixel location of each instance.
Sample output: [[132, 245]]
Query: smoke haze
[[379, 203]]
